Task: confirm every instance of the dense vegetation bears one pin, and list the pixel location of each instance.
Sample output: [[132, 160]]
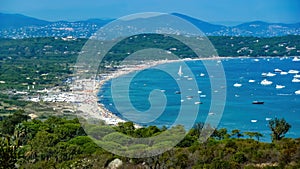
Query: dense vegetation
[[42, 62], [46, 62], [61, 143]]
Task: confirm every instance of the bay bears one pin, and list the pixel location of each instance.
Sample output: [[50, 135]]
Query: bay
[[239, 112]]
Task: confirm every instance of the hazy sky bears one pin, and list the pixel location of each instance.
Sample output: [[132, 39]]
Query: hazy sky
[[287, 11]]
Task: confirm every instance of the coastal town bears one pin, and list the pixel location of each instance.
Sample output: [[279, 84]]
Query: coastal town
[[82, 93]]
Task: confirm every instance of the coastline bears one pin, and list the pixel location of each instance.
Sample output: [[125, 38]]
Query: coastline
[[112, 119], [84, 100], [108, 116], [85, 97]]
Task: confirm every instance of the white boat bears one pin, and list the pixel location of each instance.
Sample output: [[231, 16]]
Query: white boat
[[237, 85], [265, 82], [189, 97], [180, 71], [199, 91], [293, 72], [198, 102], [211, 113], [202, 74], [251, 81], [297, 92], [297, 76], [256, 60], [203, 95], [269, 74], [296, 59], [253, 121], [264, 74], [277, 70], [295, 80], [258, 102], [268, 118], [283, 73], [280, 86]]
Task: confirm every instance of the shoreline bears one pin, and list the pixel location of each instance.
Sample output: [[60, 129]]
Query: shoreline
[[113, 118], [88, 99]]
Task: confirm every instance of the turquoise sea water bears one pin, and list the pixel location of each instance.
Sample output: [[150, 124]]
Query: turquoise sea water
[[239, 112]]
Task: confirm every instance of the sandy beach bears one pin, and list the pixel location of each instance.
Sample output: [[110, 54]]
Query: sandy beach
[[85, 94]]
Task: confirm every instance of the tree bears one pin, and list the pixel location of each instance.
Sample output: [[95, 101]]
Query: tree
[[126, 128], [202, 131], [279, 128], [7, 126], [197, 128], [250, 134], [236, 133], [8, 151], [42, 145], [258, 135], [221, 133]]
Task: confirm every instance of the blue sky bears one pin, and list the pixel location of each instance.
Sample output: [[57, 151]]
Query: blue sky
[[287, 11]]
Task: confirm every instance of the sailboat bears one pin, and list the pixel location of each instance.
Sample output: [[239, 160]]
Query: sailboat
[[296, 59], [180, 71]]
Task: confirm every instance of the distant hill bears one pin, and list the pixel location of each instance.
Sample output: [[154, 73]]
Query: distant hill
[[259, 28], [20, 26], [202, 25], [259, 25], [18, 20], [255, 28]]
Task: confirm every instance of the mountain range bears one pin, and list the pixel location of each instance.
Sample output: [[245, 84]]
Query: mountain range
[[20, 26]]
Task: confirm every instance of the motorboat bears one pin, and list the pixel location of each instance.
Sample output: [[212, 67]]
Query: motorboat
[[297, 76], [265, 82], [189, 97], [280, 86], [251, 81], [293, 71], [297, 92], [264, 74], [269, 74], [283, 73], [177, 92], [258, 102], [295, 80], [237, 85], [277, 70]]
